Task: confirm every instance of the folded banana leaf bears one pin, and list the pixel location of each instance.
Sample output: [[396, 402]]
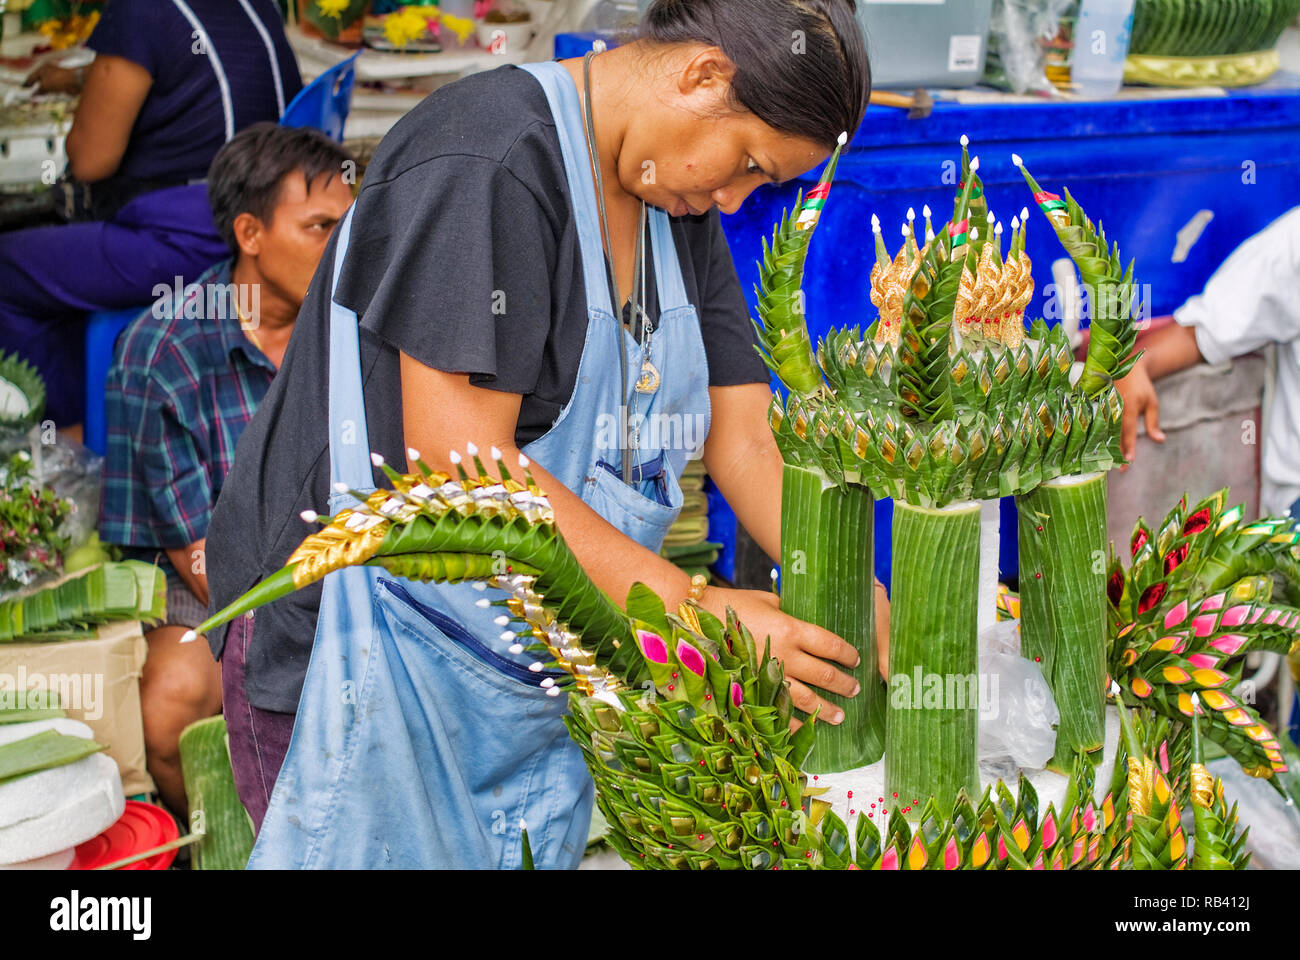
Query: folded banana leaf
[[683, 553], [33, 705], [46, 749], [130, 590]]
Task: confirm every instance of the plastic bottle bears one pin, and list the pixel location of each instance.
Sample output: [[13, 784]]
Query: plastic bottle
[[457, 8], [1101, 36]]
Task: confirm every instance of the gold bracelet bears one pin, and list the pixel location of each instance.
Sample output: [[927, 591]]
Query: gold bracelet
[[698, 584]]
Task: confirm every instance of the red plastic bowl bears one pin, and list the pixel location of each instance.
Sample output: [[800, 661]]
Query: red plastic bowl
[[142, 826]]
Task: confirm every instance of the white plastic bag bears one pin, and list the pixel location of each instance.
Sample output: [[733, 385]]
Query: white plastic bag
[[1017, 712]]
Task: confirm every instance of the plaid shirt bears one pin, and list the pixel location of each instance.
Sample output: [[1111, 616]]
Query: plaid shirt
[[179, 394]]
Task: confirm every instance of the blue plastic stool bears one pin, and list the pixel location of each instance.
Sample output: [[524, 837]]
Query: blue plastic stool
[[324, 103], [102, 330]]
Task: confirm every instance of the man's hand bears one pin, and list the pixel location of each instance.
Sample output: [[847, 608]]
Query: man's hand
[[1140, 401]]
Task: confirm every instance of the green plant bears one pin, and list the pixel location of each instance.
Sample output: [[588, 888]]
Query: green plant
[[31, 517]]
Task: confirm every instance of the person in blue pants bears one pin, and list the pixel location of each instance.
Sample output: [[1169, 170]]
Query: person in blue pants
[[473, 295], [171, 82]]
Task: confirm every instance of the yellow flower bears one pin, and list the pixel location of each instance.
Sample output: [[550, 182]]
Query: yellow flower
[[407, 24], [332, 8]]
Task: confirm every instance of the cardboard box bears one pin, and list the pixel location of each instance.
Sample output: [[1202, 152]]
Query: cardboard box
[[98, 682]]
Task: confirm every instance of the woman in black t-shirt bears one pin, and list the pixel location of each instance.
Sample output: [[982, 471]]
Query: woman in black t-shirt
[[465, 267]]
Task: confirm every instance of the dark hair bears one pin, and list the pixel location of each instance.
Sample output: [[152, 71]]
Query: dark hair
[[247, 173], [824, 95]]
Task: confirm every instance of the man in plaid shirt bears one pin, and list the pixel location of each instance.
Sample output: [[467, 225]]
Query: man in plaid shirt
[[187, 377]]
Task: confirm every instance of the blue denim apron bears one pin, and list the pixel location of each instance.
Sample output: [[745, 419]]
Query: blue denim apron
[[420, 741]]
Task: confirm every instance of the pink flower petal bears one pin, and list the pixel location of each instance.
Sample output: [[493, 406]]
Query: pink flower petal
[[890, 860], [1176, 616], [951, 858], [1212, 603], [1205, 660], [690, 657], [1235, 616], [1049, 831], [653, 646], [737, 697], [1203, 625], [1256, 614], [1002, 848], [1228, 643], [1272, 615]]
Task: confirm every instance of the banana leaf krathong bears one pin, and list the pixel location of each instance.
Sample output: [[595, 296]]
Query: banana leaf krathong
[[1197, 597], [22, 393]]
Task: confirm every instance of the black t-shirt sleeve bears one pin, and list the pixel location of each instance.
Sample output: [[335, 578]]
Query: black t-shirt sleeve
[[450, 262], [728, 332]]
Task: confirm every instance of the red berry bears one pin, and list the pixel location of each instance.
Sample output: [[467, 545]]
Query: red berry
[[850, 794], [1038, 576], [670, 686]]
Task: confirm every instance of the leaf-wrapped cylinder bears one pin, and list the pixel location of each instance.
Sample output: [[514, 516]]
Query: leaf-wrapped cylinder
[[1063, 604], [933, 716], [827, 578]]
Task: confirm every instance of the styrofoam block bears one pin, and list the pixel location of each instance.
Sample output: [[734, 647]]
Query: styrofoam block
[[9, 732], [37, 793], [60, 860], [74, 822]]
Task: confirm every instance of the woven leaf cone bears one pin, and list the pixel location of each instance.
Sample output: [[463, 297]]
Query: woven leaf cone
[[1109, 287], [1196, 598], [1155, 834]]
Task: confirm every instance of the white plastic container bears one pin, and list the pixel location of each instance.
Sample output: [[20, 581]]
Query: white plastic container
[[1101, 36], [925, 43]]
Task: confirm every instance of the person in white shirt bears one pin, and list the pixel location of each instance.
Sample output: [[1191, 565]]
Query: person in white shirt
[[1252, 300]]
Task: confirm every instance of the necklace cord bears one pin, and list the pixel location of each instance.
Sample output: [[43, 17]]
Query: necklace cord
[[627, 450]]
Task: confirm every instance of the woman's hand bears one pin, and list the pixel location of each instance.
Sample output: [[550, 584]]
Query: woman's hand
[[1140, 400], [54, 79], [808, 652]]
